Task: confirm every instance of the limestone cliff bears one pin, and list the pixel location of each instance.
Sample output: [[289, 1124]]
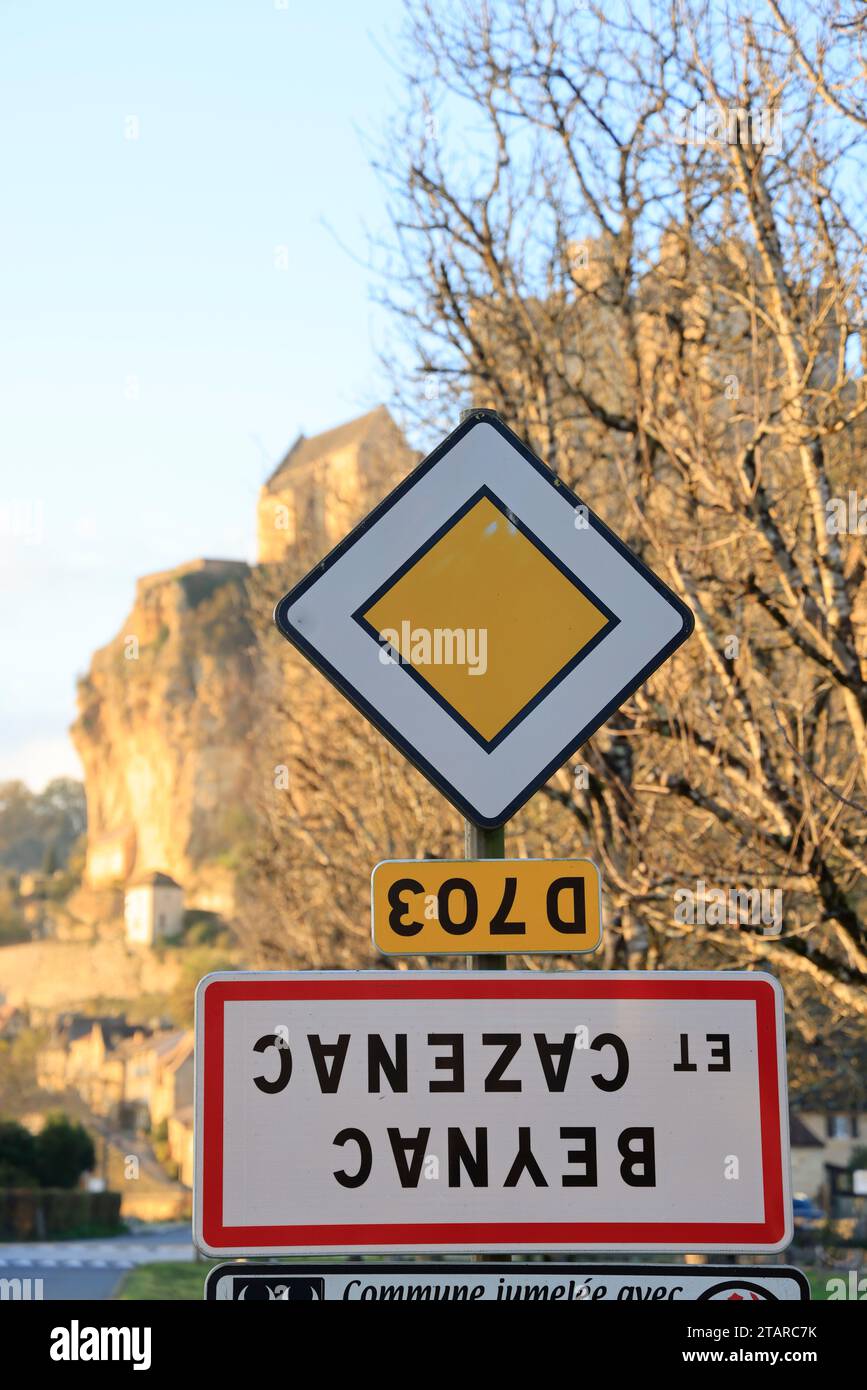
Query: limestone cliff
[[163, 719]]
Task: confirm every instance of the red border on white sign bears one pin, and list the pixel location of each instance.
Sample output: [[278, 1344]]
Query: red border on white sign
[[770, 1235]]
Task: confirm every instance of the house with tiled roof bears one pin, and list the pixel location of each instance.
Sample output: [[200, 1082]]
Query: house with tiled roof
[[82, 1055], [821, 1139], [159, 1078]]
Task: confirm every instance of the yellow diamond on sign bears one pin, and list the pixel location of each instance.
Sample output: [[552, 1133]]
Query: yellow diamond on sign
[[486, 618]]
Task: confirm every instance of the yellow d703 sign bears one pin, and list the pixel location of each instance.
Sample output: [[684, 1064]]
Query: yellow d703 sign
[[436, 907]]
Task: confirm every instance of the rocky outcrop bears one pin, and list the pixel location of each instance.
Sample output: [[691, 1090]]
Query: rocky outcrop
[[163, 718]]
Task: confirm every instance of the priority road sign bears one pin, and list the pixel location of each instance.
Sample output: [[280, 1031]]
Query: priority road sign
[[456, 1282], [485, 906], [420, 1111], [484, 619]]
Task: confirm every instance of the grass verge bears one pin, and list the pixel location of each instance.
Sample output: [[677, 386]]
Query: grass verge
[[166, 1280]]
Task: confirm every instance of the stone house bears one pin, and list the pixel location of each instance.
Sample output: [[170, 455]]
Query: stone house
[[83, 1056], [820, 1138], [159, 1078], [153, 909], [128, 1075]]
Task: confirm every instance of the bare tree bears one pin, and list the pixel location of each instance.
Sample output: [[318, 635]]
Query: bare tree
[[639, 235]]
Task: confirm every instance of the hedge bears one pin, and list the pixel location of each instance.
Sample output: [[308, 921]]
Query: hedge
[[41, 1213]]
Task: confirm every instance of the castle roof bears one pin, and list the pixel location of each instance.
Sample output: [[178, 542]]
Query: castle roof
[[308, 451], [154, 879]]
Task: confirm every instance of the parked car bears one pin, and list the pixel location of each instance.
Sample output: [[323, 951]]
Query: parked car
[[808, 1217]]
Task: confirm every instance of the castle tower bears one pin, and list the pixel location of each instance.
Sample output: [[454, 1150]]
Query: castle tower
[[326, 484]]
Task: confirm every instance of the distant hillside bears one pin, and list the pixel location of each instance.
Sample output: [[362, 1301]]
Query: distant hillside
[[38, 829]]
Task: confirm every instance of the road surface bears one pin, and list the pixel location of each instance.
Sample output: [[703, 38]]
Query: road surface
[[90, 1269]]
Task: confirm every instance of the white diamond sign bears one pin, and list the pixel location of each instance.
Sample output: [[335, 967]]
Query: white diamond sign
[[484, 619]]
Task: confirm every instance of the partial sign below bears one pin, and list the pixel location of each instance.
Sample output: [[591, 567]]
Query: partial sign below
[[434, 907], [484, 619], [420, 1111], [503, 1283]]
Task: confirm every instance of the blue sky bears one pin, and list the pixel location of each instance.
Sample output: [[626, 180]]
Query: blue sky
[[160, 164]]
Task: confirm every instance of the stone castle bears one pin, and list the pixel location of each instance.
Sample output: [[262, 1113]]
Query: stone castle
[[165, 709], [325, 485]]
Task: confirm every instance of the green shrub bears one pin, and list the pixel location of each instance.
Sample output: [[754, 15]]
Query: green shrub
[[64, 1150], [17, 1155]]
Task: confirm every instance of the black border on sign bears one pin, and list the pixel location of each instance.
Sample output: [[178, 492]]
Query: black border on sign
[[611, 618], [306, 1268], [355, 697]]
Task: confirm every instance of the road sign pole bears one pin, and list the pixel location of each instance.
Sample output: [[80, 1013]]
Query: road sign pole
[[480, 843]]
